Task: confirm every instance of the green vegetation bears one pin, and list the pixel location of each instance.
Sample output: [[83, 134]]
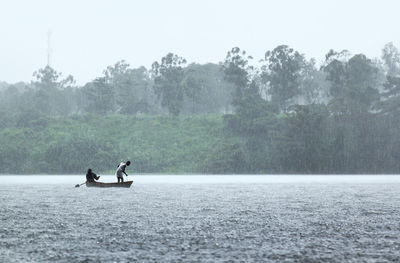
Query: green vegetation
[[154, 144], [306, 140], [282, 114]]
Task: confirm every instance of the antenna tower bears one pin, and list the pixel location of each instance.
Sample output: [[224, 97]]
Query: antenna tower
[[49, 50]]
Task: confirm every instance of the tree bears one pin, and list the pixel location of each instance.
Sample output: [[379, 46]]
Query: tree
[[391, 97], [242, 75], [354, 83], [192, 87], [255, 121], [314, 88], [281, 72], [335, 67], [145, 99], [48, 78], [131, 88], [99, 97], [302, 144], [237, 69], [50, 92], [391, 59], [168, 85], [255, 118], [362, 82], [390, 103]]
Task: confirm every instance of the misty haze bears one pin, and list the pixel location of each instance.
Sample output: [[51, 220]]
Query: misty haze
[[199, 131]]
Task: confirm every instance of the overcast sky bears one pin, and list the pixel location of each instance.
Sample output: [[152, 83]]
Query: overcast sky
[[87, 36]]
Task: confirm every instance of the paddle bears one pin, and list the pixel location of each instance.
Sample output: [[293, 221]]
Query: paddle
[[80, 184]]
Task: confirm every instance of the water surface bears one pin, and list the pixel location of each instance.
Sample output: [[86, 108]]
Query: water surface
[[201, 218]]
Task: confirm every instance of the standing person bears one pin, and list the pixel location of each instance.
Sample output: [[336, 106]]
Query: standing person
[[91, 176], [121, 170]]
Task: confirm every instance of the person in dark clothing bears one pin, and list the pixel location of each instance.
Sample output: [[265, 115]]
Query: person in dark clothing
[[91, 176]]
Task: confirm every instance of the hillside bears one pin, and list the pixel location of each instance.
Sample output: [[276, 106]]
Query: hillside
[[70, 145]]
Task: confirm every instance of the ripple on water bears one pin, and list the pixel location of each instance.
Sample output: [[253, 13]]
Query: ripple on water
[[205, 222]]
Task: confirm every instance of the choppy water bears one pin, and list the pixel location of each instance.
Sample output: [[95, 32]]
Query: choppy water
[[207, 219]]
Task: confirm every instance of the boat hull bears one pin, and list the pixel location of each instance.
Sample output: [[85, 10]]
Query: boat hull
[[107, 185]]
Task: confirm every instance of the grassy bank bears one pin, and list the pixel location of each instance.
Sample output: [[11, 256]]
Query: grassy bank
[[154, 144]]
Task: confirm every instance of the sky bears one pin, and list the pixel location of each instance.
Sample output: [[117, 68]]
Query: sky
[[89, 35]]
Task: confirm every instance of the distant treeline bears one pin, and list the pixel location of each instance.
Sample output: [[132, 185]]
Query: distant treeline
[[280, 114]]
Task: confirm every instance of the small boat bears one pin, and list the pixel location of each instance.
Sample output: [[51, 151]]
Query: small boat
[[126, 184]]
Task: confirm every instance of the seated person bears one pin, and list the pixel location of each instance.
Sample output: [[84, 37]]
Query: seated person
[[91, 176]]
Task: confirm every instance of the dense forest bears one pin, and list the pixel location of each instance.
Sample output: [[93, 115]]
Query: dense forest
[[282, 113]]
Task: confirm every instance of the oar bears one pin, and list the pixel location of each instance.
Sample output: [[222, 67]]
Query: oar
[[80, 184]]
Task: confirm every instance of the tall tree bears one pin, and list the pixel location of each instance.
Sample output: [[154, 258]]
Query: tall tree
[[193, 87], [237, 69], [99, 97], [314, 89], [390, 103], [254, 117], [50, 92], [207, 90], [240, 73], [131, 87], [48, 78], [354, 82], [391, 59], [168, 82], [281, 72]]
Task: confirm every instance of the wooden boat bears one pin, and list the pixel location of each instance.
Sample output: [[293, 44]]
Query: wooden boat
[[126, 184]]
